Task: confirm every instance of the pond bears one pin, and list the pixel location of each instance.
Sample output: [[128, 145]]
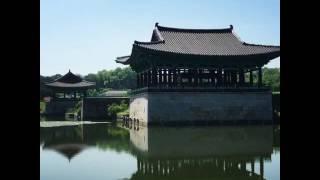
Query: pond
[[107, 151]]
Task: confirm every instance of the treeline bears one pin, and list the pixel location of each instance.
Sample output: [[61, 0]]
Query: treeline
[[125, 78], [119, 78]]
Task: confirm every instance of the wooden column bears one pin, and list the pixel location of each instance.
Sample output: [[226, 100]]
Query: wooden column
[[243, 166], [215, 77], [234, 78], [174, 72], [179, 79], [219, 77], [195, 76], [142, 79], [138, 164], [158, 75], [260, 77], [138, 80], [189, 74], [251, 78], [146, 79], [252, 166], [230, 77], [149, 78], [161, 80], [212, 77], [165, 82], [199, 81], [169, 77], [224, 80], [154, 77], [241, 77]]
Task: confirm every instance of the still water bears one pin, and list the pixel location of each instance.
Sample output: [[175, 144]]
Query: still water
[[105, 151]]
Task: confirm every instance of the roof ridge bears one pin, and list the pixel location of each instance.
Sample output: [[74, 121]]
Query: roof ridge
[[158, 33], [120, 57], [222, 30], [151, 42], [261, 45]]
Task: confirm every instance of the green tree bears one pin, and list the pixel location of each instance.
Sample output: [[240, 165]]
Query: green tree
[[271, 77]]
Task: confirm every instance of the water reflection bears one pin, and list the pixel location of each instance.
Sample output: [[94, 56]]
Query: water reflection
[[170, 152], [72, 140], [202, 153]]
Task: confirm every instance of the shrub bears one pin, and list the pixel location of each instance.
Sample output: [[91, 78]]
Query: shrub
[[114, 108]]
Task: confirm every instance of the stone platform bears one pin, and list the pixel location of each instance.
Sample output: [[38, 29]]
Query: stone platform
[[240, 107]]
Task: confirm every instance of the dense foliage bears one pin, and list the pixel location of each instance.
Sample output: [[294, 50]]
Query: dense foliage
[[119, 78], [271, 77], [114, 108]]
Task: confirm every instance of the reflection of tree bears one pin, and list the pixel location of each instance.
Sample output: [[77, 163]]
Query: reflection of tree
[[118, 140]]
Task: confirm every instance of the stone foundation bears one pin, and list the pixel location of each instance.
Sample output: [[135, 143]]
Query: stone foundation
[[201, 107], [97, 107], [59, 108]]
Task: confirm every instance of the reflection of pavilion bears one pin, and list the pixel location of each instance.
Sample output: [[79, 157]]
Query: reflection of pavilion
[[201, 153], [68, 150], [72, 140], [173, 153], [67, 140]]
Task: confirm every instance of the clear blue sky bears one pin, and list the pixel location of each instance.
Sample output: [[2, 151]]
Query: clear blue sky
[[87, 35]]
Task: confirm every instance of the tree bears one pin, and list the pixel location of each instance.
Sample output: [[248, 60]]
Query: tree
[[271, 77]]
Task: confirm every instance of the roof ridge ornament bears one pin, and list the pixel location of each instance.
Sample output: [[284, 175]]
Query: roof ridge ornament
[[156, 25], [231, 27]]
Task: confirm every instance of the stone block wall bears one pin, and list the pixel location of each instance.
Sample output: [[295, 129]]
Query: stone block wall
[[59, 108], [163, 107], [97, 107]]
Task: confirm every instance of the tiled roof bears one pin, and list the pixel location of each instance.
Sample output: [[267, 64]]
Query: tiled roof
[[122, 59], [208, 42], [70, 80], [71, 85]]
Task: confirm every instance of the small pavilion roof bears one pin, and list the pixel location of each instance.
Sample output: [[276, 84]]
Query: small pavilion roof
[[200, 42], [70, 80]]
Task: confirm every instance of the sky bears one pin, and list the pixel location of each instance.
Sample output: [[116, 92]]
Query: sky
[[86, 36]]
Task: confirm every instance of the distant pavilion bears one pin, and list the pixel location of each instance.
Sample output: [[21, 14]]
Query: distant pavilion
[[70, 84], [199, 75]]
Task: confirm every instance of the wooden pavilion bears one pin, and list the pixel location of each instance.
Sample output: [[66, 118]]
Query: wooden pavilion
[[197, 58], [70, 84], [209, 63]]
